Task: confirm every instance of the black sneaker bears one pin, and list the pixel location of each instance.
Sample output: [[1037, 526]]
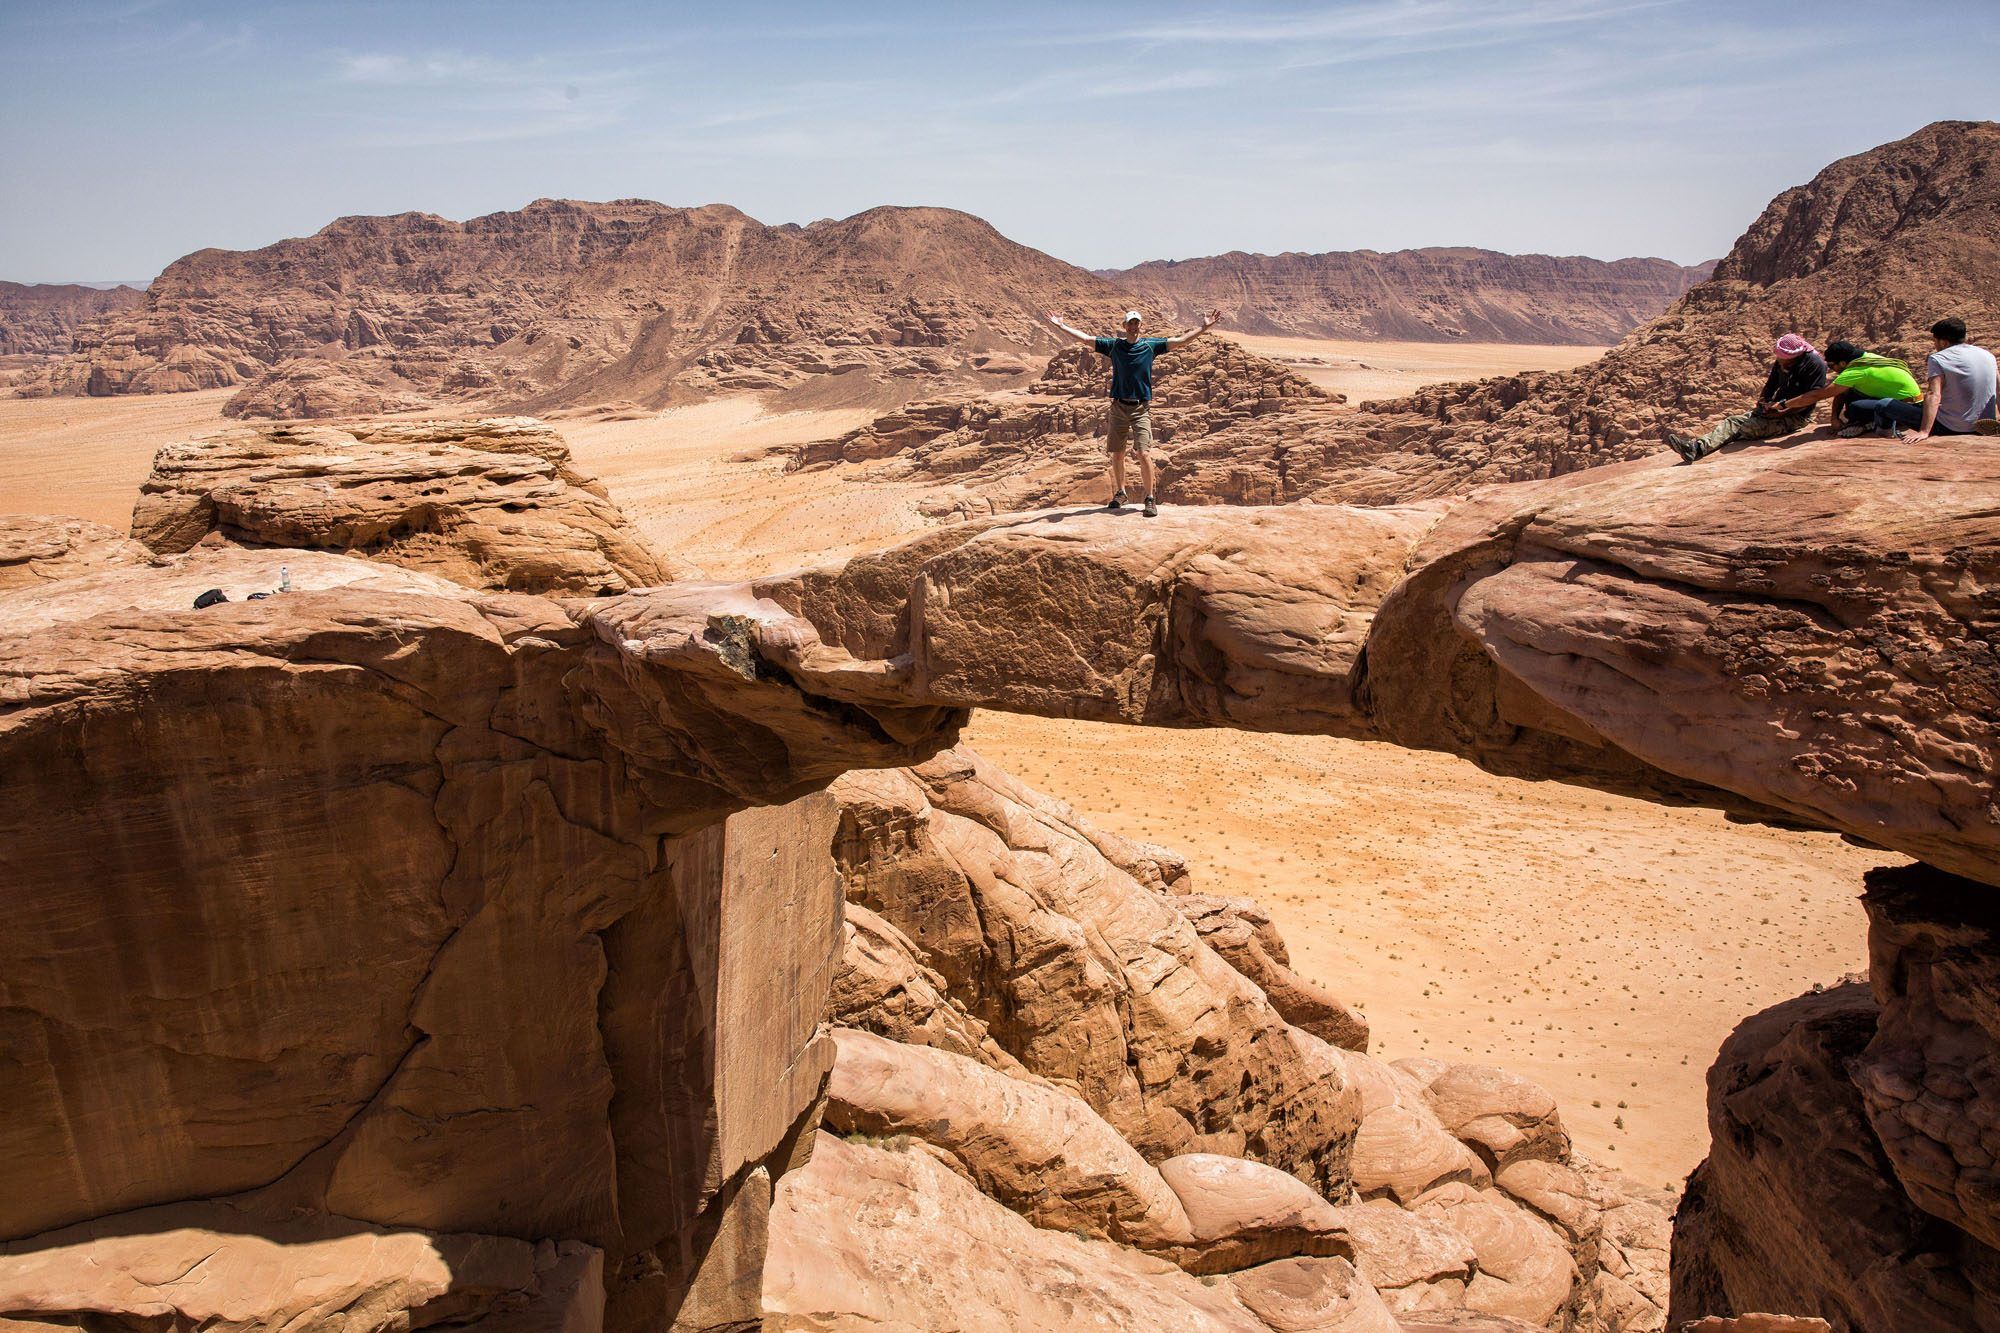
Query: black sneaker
[[1689, 450], [1152, 510], [1117, 501]]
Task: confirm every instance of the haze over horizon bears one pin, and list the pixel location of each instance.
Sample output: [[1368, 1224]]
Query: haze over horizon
[[148, 129]]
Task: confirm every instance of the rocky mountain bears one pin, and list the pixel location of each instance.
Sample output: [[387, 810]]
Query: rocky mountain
[[1874, 248], [1420, 295], [567, 302], [39, 318], [496, 955]]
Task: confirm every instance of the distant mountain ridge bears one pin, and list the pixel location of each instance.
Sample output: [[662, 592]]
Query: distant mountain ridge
[[1874, 248], [39, 318], [564, 302], [1447, 294]]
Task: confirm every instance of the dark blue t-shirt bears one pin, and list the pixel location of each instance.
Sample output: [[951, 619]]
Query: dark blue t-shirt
[[1131, 366]]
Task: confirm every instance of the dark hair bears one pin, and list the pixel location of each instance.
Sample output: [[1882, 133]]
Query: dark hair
[[1842, 351], [1952, 330]]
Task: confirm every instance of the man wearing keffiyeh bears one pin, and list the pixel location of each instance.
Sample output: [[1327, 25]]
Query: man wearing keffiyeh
[[1799, 369]]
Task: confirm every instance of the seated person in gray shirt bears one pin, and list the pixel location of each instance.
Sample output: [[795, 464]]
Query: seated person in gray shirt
[[1958, 395]]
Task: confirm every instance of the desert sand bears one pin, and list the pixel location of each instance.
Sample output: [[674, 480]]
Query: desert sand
[[1365, 371], [1602, 945], [86, 456]]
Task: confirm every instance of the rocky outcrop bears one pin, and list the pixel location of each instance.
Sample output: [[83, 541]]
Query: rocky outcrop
[[1930, 1077], [1801, 634], [37, 549], [1044, 444], [493, 503], [868, 1237], [308, 389], [565, 302], [1044, 1019], [219, 1265], [1846, 1180], [1241, 931], [1442, 294], [412, 908], [1252, 618], [40, 318], [1875, 248], [1040, 1151], [1085, 976]]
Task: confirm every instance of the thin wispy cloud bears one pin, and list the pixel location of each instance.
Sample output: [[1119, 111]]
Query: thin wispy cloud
[[394, 68], [1399, 19]]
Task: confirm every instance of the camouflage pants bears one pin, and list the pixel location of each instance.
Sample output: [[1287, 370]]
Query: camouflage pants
[[1748, 426]]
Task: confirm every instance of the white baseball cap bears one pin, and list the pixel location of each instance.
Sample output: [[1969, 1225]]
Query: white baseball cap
[[1131, 315]]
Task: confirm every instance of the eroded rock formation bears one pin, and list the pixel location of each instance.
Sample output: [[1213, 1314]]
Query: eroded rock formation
[[1044, 444], [1875, 248], [415, 908], [565, 302], [1848, 1177], [1443, 294], [492, 503], [38, 548], [1043, 1019], [40, 318]]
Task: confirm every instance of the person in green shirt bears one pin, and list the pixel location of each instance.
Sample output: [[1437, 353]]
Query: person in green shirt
[[1858, 378], [1130, 419]]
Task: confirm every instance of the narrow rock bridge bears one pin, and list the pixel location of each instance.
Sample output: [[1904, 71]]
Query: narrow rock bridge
[[1807, 635]]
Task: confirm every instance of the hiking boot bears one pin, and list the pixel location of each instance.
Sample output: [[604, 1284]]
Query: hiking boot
[[1986, 426], [1117, 501], [1683, 446], [1152, 509], [1856, 432]]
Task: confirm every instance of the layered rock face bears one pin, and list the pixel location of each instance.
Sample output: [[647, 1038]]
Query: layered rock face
[[1044, 444], [567, 302], [492, 503], [40, 318], [1805, 633], [1875, 248], [37, 549], [1045, 1060], [396, 952], [1442, 294], [1850, 1177]]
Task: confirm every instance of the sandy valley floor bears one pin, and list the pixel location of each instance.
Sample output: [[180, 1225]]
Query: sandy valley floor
[[1601, 945], [1368, 370]]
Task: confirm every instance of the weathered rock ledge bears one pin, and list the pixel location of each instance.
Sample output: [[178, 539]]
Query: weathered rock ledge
[[1809, 634]]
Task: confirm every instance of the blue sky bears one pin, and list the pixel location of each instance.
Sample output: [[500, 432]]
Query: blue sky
[[132, 132]]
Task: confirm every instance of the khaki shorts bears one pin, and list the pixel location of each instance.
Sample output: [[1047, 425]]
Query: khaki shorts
[[1130, 422]]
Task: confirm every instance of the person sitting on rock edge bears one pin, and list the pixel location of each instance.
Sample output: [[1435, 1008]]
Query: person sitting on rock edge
[[1958, 390], [1797, 370], [1862, 382], [1131, 412]]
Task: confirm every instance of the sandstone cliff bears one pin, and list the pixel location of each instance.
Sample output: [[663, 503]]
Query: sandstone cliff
[[1417, 295], [387, 951], [1851, 1173]]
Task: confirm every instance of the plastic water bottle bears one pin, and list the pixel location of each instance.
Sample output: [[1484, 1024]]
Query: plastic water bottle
[[284, 578]]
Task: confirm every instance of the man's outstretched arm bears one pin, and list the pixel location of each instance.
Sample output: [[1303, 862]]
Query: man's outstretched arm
[[1078, 334], [1208, 322]]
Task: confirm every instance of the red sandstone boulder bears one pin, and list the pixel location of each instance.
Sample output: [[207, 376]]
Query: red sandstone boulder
[[492, 503]]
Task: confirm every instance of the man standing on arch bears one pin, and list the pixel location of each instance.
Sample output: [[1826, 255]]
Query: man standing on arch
[[1131, 415]]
